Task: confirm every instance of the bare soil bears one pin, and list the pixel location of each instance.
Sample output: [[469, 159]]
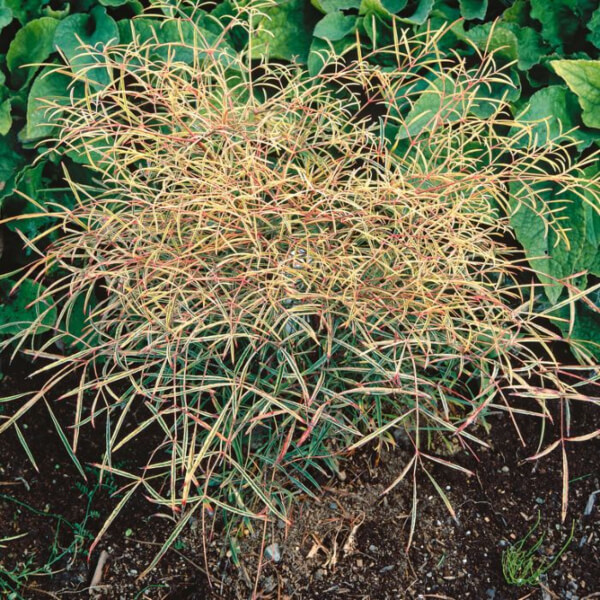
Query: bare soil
[[349, 543]]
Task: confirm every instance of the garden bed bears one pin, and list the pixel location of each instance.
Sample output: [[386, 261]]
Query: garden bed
[[350, 543]]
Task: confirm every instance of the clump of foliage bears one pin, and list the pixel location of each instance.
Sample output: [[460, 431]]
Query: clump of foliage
[[269, 267], [550, 51], [521, 565]]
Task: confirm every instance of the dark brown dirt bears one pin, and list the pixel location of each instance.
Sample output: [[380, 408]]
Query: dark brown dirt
[[349, 543]]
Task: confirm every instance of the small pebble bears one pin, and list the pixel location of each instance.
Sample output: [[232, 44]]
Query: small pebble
[[491, 593], [272, 552], [372, 548], [269, 584], [505, 469], [539, 500]]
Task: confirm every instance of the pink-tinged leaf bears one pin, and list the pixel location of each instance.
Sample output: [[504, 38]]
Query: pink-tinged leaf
[[565, 490], [441, 494], [401, 476], [585, 437], [447, 463], [549, 449]]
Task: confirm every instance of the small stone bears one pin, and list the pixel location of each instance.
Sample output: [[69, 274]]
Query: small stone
[[539, 500], [505, 469], [373, 548], [491, 593], [269, 584], [272, 552]]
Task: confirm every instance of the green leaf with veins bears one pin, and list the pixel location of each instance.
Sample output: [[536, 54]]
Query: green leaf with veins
[[334, 5], [10, 163], [583, 78], [5, 117], [285, 32], [549, 255], [444, 101], [556, 110], [25, 10], [334, 26], [594, 27], [32, 44], [22, 308], [48, 87], [320, 50], [558, 18], [510, 41], [421, 13], [96, 30], [473, 9], [178, 39], [6, 15], [383, 8]]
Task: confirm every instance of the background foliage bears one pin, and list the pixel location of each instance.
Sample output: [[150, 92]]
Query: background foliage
[[553, 48]]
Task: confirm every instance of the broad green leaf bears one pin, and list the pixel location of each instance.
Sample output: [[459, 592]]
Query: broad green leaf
[[77, 319], [518, 12], [284, 32], [58, 13], [511, 41], [222, 22], [48, 87], [383, 8], [583, 78], [594, 27], [6, 15], [558, 18], [25, 10], [556, 109], [473, 9], [30, 182], [490, 96], [22, 308], [446, 100], [178, 39], [32, 44], [548, 253], [96, 30], [10, 163], [580, 323], [327, 6], [334, 26], [320, 50], [420, 14], [5, 117]]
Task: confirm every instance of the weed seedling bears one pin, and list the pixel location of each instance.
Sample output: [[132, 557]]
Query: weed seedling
[[522, 566]]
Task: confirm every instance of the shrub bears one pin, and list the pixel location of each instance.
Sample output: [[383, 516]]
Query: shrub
[[269, 268]]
